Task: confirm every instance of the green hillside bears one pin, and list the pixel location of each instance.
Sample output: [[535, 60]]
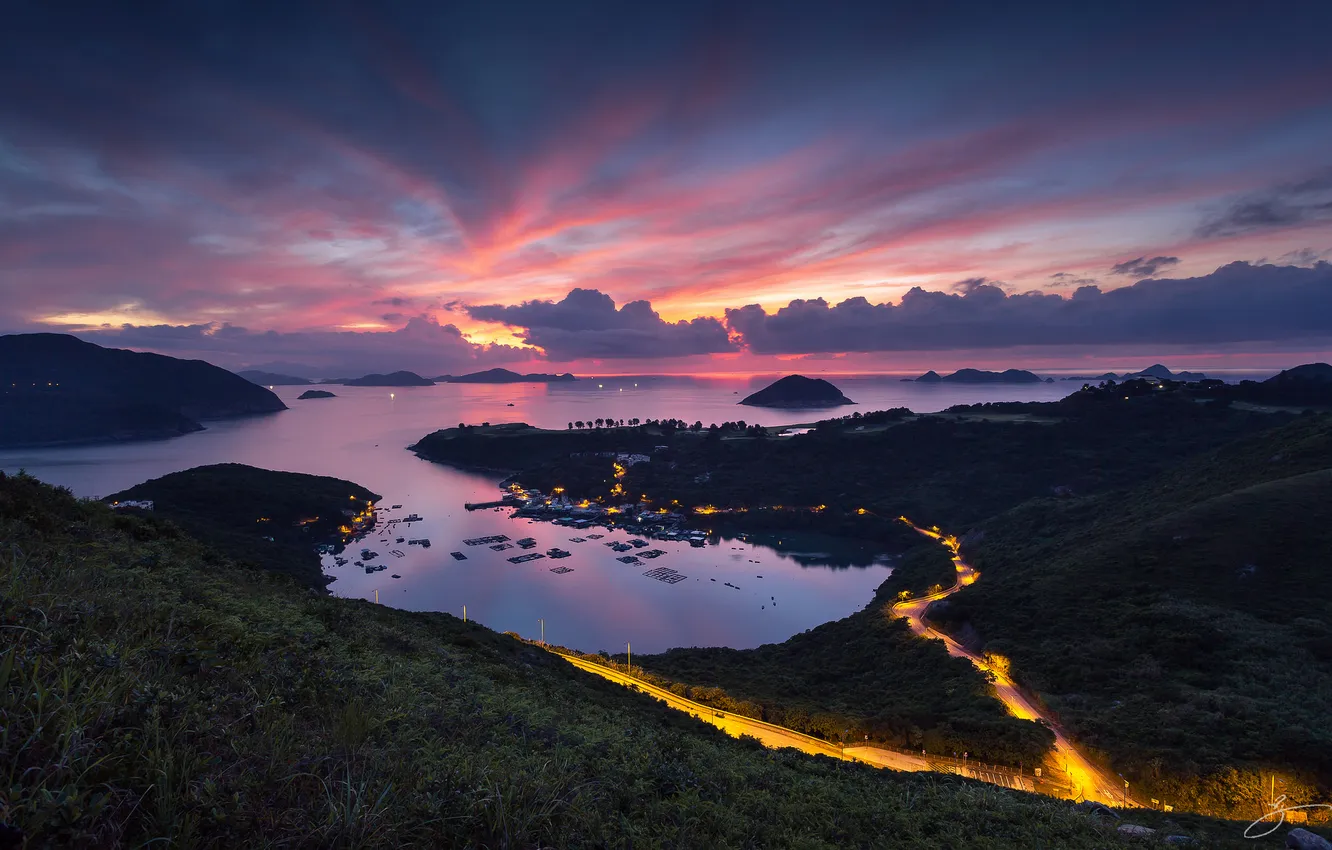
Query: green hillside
[[1183, 628], [153, 693]]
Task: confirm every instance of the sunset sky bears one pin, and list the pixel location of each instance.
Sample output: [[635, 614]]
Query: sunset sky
[[640, 187]]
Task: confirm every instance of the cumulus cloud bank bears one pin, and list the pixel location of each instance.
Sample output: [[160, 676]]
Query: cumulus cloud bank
[[1239, 302], [586, 325], [422, 345]]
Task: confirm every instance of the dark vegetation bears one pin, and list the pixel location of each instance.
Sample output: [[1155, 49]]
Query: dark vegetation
[[1183, 627], [152, 693], [1153, 565], [517, 445], [257, 517], [55, 388], [797, 391], [952, 470], [864, 676]]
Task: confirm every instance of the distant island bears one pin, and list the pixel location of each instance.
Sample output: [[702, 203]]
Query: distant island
[[504, 376], [267, 519], [393, 379], [1154, 371], [980, 376], [797, 391], [315, 394], [272, 379], [56, 388]]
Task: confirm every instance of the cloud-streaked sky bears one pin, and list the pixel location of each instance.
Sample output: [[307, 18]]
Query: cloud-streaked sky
[[658, 182]]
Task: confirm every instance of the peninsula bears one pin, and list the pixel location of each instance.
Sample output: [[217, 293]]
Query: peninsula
[[796, 391], [266, 519], [56, 388]]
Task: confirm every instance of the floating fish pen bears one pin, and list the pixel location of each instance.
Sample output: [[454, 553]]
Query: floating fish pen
[[458, 556], [397, 553], [557, 553], [637, 544], [372, 568], [577, 539], [486, 541], [527, 543], [666, 574], [500, 547], [523, 559], [652, 553], [628, 559], [595, 536], [412, 518], [561, 570], [698, 544], [423, 542]]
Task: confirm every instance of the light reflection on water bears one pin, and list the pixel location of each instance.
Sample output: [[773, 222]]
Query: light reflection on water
[[361, 435]]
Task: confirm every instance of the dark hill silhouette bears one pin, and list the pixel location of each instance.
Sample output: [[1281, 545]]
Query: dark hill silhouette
[[315, 394], [56, 388], [980, 376], [393, 379], [797, 391], [506, 376], [272, 379]]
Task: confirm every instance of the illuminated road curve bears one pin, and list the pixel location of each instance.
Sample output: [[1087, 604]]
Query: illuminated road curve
[[1088, 781], [778, 736]]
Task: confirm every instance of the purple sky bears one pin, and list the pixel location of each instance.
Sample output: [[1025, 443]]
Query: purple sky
[[672, 187]]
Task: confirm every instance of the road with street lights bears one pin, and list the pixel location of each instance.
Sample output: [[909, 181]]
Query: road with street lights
[[1089, 782]]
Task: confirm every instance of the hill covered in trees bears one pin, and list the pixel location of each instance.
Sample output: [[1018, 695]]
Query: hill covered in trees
[[56, 388], [156, 693], [267, 519]]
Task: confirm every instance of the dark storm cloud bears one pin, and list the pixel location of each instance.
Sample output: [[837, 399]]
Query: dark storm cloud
[[1287, 205], [971, 284], [585, 324], [1143, 267], [1236, 303], [422, 345]]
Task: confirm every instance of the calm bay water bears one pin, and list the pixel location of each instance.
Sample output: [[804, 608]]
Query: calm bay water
[[361, 435]]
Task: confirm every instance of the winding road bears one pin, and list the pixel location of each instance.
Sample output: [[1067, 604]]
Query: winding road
[[1089, 782], [1086, 780]]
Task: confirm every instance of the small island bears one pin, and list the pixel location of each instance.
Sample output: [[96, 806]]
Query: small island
[[393, 379], [272, 379], [505, 376], [271, 520], [797, 391], [980, 376], [315, 394]]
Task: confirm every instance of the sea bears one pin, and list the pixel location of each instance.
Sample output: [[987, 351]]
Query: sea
[[738, 593]]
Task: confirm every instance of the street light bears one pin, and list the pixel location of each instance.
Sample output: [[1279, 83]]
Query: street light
[[543, 631], [1126, 799]]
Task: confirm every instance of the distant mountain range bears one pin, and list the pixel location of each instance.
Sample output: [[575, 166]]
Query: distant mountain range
[[56, 388], [797, 391], [392, 379], [272, 379], [504, 376], [979, 376], [1156, 370]]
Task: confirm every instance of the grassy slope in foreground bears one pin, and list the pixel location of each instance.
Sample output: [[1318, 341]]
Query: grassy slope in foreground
[[1184, 628], [152, 692], [236, 508]]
